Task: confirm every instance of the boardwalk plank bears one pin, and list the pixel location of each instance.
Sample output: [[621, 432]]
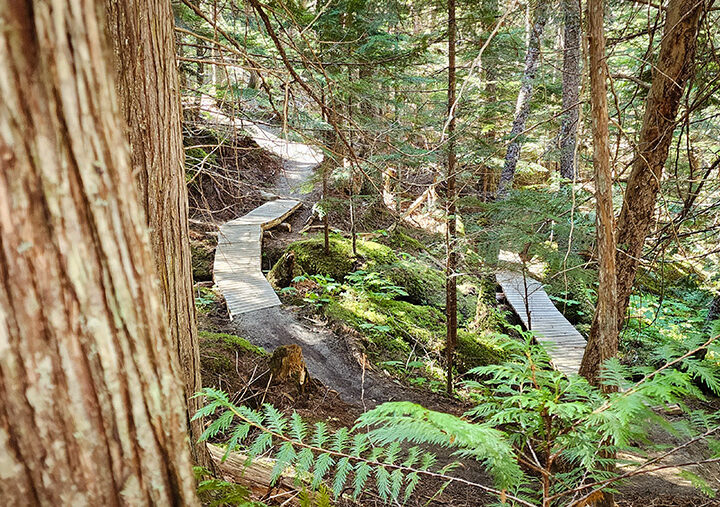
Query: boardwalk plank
[[237, 267], [564, 343]]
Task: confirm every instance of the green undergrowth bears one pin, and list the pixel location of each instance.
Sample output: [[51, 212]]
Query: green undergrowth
[[396, 301], [231, 341], [206, 300], [399, 331]]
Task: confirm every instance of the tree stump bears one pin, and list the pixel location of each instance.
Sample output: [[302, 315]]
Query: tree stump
[[287, 364], [284, 271]]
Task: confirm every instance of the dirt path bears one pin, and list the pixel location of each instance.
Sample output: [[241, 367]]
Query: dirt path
[[328, 356]]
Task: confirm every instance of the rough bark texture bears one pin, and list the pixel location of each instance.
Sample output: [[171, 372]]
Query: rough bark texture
[[670, 75], [570, 89], [522, 107], [603, 341], [91, 408], [148, 91], [450, 275]]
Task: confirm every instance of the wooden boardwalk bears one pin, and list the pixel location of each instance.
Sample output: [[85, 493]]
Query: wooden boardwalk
[[563, 342], [237, 269]]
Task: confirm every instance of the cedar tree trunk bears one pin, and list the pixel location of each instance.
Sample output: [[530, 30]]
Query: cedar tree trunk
[[91, 404], [149, 96]]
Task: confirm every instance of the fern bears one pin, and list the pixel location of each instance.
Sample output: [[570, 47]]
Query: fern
[[523, 406]]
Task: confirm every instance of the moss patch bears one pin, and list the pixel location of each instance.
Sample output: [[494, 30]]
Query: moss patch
[[394, 328], [425, 285], [231, 342], [477, 349], [202, 253], [310, 256]]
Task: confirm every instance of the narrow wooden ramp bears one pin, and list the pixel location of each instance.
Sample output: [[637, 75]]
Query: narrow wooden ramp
[[237, 269], [564, 343]]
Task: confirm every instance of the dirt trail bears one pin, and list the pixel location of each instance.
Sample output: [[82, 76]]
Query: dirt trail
[[328, 356]]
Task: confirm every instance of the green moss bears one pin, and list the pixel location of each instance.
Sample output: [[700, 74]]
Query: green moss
[[400, 239], [476, 349], [203, 255], [231, 342], [396, 327], [311, 257], [387, 323], [426, 285]]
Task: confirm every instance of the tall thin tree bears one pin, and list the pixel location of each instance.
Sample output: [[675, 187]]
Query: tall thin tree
[[91, 401], [451, 229], [570, 88], [603, 341], [522, 107]]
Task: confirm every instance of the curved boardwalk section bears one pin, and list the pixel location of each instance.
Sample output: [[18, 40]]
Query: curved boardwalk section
[[564, 343], [237, 268]]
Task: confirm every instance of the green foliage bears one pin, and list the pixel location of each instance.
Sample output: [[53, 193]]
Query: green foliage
[[530, 422], [216, 492], [662, 324], [537, 417], [375, 284], [205, 299], [321, 457], [232, 341]]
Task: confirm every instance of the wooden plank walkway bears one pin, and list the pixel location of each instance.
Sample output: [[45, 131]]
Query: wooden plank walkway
[[237, 268], [563, 342]]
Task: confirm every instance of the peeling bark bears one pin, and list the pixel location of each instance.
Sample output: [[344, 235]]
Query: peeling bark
[[603, 341], [91, 406], [670, 75]]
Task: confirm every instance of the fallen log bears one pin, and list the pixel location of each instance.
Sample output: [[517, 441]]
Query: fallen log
[[256, 476]]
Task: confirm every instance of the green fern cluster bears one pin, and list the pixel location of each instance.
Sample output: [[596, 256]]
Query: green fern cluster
[[317, 455], [543, 437]]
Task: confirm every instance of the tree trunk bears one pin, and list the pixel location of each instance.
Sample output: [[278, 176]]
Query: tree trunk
[[91, 405], [603, 341], [149, 95], [489, 65], [522, 107], [450, 278], [570, 89], [670, 75]]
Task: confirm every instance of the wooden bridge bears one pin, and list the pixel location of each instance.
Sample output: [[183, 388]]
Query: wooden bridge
[[237, 268], [537, 312]]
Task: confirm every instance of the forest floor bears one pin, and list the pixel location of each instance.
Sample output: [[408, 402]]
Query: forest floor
[[344, 382]]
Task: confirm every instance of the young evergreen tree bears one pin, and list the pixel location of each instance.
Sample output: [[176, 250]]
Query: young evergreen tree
[[91, 404]]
